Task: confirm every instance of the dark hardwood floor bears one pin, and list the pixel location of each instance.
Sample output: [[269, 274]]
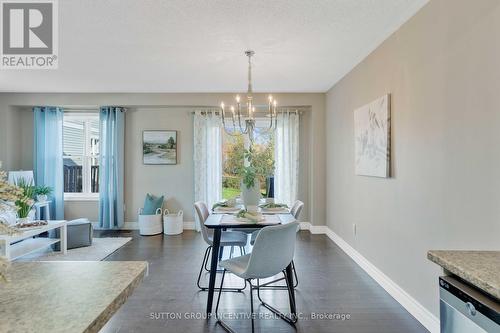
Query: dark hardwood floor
[[330, 283]]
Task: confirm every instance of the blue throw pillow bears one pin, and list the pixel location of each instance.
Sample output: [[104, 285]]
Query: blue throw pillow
[[151, 204]]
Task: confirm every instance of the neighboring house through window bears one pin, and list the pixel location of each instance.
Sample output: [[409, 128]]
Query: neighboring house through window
[[81, 156]]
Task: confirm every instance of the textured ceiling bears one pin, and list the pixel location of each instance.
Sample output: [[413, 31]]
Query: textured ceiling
[[197, 46]]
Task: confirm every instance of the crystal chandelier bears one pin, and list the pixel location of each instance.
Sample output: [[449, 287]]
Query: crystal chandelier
[[247, 112]]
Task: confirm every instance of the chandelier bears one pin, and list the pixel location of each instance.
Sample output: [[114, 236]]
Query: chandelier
[[246, 113]]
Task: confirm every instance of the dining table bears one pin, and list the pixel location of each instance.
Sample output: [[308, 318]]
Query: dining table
[[219, 222]]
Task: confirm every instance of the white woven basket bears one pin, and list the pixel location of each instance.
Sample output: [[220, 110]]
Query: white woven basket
[[150, 224], [172, 223]]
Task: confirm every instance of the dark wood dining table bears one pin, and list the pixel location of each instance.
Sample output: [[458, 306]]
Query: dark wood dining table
[[214, 222]]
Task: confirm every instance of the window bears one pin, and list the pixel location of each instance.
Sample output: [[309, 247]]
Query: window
[[81, 155], [233, 148]]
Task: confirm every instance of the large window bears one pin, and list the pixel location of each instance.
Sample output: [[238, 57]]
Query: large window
[[233, 158], [81, 155]]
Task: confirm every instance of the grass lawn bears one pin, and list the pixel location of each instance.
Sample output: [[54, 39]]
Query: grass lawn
[[230, 193]]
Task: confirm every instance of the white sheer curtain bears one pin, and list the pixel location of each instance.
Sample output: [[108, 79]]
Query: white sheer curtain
[[207, 158], [286, 156]]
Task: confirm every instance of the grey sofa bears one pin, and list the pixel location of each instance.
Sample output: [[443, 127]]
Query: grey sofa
[[79, 234]]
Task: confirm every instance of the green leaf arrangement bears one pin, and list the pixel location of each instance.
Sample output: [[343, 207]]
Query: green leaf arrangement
[[273, 205], [221, 204], [253, 169], [25, 202], [255, 217], [43, 190]]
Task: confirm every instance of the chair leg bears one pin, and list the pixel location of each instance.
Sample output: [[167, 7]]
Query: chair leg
[[204, 263], [251, 306], [220, 292], [221, 252], [295, 284], [258, 291], [292, 320], [296, 279], [290, 296], [219, 320], [231, 252]]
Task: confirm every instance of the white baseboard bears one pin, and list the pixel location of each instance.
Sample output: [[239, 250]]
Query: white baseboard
[[130, 226], [189, 225], [313, 229], [417, 310]]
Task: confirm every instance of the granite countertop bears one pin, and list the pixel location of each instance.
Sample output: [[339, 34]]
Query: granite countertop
[[479, 268], [66, 296]]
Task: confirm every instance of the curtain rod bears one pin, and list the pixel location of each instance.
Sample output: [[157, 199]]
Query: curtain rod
[[298, 110], [255, 113]]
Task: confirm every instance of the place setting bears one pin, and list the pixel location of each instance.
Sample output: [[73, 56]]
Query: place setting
[[266, 206]]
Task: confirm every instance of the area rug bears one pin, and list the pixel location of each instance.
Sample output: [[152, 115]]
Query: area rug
[[99, 250]]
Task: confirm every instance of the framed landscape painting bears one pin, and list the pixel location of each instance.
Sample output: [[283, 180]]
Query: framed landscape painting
[[372, 141], [159, 147]]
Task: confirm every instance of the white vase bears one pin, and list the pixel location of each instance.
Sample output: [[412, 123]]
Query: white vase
[[23, 220], [41, 198], [251, 196]]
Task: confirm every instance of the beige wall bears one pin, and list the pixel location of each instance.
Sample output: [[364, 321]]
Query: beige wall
[[163, 111], [173, 181], [78, 209], [443, 71]]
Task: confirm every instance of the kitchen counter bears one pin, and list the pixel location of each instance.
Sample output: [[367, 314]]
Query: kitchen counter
[[66, 296], [479, 268]]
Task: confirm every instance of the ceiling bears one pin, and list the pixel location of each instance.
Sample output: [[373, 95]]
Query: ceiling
[[198, 46]]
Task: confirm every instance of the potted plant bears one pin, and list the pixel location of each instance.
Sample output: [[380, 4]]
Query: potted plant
[[8, 194], [25, 202], [254, 169], [42, 193]]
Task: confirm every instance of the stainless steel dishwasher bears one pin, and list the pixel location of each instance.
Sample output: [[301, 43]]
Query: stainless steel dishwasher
[[465, 309]]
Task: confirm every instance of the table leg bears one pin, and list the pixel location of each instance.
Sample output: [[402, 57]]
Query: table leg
[[213, 269], [47, 212], [289, 277], [63, 236]]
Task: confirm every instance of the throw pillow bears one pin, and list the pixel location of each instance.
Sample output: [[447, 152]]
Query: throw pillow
[[151, 204]]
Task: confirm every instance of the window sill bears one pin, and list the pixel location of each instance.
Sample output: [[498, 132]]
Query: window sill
[[79, 197]]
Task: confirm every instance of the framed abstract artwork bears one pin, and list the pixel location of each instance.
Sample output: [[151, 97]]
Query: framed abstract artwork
[[159, 147], [372, 138]]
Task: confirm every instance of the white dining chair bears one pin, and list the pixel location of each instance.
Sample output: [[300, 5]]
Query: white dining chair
[[295, 211], [228, 239], [272, 252]]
